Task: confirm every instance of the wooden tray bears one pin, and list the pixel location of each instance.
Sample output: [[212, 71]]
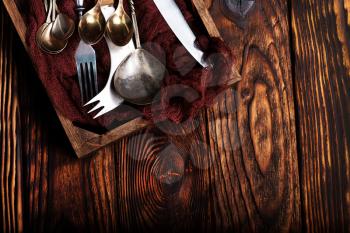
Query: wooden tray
[[85, 142]]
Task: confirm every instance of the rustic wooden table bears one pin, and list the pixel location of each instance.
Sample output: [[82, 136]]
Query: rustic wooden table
[[272, 155]]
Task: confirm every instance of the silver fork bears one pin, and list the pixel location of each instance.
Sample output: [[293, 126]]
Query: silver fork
[[85, 58], [108, 99]]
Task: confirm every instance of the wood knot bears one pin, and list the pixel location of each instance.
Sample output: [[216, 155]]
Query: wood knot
[[170, 177], [169, 166], [261, 124]]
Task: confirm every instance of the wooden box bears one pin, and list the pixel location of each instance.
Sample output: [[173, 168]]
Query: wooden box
[[83, 141]]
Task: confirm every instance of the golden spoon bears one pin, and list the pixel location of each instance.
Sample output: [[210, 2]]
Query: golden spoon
[[119, 26], [92, 25]]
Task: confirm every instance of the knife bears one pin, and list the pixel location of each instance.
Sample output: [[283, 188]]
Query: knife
[[177, 23]]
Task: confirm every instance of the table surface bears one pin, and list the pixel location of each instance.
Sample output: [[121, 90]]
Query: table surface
[[271, 155]]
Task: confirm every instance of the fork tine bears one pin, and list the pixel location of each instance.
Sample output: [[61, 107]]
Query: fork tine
[[80, 83], [97, 106], [94, 71], [102, 111], [89, 77], [93, 100], [86, 90]]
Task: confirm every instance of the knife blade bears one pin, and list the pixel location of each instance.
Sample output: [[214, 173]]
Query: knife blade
[[177, 23]]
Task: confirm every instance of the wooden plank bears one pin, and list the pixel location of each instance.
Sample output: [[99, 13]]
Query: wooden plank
[[321, 32], [64, 194], [16, 18], [251, 129], [11, 219]]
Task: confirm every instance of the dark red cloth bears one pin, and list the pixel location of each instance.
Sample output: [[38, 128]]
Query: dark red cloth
[[186, 89]]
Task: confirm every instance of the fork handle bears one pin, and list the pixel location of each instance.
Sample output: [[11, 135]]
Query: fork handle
[[80, 7]]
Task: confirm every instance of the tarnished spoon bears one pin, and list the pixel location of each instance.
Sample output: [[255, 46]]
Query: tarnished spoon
[[92, 25], [50, 43], [39, 42], [38, 36], [44, 39], [63, 27], [138, 78], [119, 26], [48, 9]]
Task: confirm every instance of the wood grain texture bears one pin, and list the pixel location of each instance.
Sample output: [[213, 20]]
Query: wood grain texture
[[243, 150], [260, 149], [232, 169], [321, 33], [10, 163]]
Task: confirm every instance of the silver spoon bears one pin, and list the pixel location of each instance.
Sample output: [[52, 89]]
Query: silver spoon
[[138, 78]]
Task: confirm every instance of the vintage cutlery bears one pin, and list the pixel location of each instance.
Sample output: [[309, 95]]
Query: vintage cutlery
[[85, 58], [138, 78], [92, 25], [63, 26], [119, 26], [38, 38], [176, 21], [108, 99], [44, 39]]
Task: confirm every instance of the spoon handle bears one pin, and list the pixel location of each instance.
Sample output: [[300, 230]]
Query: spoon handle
[[54, 8], [80, 7], [48, 18], [46, 5], [134, 23]]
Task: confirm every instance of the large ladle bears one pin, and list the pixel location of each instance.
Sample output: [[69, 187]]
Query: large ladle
[[138, 78]]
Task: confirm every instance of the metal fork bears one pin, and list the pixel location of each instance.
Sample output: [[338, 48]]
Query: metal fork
[[108, 99], [85, 58]]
